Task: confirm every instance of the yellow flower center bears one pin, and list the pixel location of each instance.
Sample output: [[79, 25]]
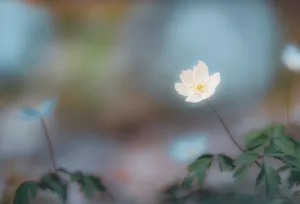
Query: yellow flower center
[[199, 88]]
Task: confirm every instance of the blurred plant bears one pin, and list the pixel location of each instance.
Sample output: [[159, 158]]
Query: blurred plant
[[272, 142], [57, 179]]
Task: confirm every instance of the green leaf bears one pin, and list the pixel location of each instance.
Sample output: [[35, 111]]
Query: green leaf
[[286, 145], [225, 163], [246, 158], [275, 130], [25, 192], [260, 176], [271, 180], [270, 148], [288, 160], [294, 179], [200, 166], [241, 172], [188, 181], [89, 184], [52, 182], [256, 141], [243, 162], [77, 177]]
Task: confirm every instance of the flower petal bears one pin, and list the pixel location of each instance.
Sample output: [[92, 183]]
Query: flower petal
[[208, 93], [194, 98], [187, 76], [214, 81], [200, 72], [182, 89]]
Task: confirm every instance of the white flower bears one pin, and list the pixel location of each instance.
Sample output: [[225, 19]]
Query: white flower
[[196, 84], [291, 57]]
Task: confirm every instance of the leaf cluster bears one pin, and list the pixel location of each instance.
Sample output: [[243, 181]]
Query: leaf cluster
[[272, 142], [28, 190]]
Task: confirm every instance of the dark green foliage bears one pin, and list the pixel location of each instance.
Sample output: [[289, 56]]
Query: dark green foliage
[[243, 163], [272, 142], [89, 184], [225, 163], [52, 182], [26, 192], [199, 167], [271, 180]]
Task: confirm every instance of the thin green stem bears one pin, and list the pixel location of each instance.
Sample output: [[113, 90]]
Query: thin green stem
[[51, 149], [229, 133]]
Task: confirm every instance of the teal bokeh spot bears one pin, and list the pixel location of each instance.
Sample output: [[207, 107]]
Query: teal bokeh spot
[[188, 147]]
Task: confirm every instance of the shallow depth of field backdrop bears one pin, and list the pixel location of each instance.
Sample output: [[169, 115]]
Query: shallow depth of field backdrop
[[113, 64]]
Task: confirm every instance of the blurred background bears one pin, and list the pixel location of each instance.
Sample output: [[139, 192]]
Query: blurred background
[[113, 65]]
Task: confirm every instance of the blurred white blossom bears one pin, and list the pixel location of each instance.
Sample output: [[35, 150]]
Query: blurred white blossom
[[196, 84], [291, 57]]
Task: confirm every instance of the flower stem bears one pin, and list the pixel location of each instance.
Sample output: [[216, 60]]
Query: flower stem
[[288, 98], [229, 133], [48, 137], [227, 129]]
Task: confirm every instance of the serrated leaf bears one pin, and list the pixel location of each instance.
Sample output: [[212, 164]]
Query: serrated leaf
[[241, 172], [243, 162], [260, 176], [270, 148], [52, 182], [288, 160], [25, 192], [256, 141], [294, 179], [225, 163], [271, 180], [246, 158], [200, 166], [286, 145]]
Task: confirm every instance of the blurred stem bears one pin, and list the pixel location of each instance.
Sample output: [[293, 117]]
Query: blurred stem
[[229, 133], [48, 137], [288, 97]]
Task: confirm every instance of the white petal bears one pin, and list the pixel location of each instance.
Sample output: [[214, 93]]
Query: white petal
[[182, 89], [200, 72], [208, 93], [194, 99], [187, 76], [214, 81]]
